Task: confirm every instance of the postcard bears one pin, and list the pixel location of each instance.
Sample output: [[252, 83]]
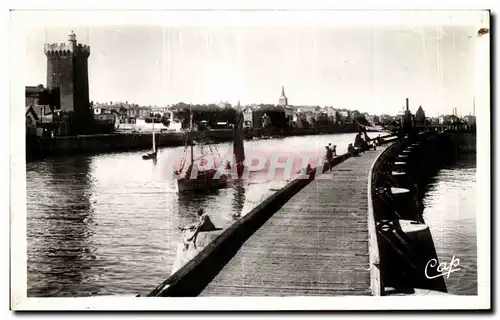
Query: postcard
[[250, 160]]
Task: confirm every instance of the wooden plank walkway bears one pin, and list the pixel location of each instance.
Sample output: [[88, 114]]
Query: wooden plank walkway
[[316, 244]]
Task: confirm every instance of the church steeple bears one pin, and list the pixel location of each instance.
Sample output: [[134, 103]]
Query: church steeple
[[283, 101]]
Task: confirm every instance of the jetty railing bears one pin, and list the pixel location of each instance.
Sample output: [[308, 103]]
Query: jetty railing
[[404, 241]]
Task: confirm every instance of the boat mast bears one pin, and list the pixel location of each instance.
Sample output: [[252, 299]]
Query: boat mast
[[238, 147], [154, 142], [191, 133]]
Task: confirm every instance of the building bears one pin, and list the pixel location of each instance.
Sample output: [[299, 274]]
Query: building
[[343, 115], [41, 115], [434, 120], [301, 120], [224, 105], [43, 101], [441, 119], [386, 119], [310, 117], [247, 117], [407, 118], [369, 118], [266, 121], [354, 115], [33, 94], [331, 113], [67, 69], [288, 110], [283, 100], [470, 120], [420, 116], [31, 121], [451, 119]]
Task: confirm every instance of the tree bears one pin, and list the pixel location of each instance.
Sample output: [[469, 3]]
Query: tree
[[165, 121]]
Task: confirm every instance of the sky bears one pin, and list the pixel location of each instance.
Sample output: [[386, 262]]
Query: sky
[[371, 69]]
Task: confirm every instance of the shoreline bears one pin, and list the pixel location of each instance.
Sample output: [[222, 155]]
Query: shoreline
[[38, 148]]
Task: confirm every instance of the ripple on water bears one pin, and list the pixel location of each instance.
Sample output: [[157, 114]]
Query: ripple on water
[[450, 212]]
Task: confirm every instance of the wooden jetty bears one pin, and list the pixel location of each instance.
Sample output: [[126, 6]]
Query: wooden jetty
[[316, 244]]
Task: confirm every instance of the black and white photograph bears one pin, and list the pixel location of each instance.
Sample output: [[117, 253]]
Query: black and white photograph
[[296, 160]]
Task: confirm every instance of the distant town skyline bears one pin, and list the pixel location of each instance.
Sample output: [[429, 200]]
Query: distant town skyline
[[371, 69]]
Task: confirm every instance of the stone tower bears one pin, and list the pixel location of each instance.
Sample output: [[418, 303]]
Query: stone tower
[[283, 101], [67, 69]]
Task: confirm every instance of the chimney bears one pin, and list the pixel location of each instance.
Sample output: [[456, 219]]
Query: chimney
[[474, 106], [407, 105]]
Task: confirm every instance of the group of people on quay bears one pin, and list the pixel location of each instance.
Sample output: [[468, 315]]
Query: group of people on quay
[[331, 151], [362, 142]]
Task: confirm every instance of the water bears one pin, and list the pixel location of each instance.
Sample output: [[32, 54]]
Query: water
[[450, 212], [108, 224]]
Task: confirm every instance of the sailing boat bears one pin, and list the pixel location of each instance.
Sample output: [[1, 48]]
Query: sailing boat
[[205, 179], [151, 154]]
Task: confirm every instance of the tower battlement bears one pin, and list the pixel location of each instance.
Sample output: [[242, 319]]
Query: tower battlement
[[61, 49]]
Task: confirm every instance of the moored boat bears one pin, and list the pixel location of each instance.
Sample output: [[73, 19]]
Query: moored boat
[[153, 153], [201, 179], [204, 180]]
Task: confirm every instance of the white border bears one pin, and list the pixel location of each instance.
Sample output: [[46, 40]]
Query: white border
[[18, 210]]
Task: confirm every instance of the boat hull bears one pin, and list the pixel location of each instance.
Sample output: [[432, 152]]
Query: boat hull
[[201, 183], [148, 156]]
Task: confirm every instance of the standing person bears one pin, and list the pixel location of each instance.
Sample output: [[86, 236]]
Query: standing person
[[329, 153], [334, 150]]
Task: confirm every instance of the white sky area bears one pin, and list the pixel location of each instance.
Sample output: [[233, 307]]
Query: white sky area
[[372, 69]]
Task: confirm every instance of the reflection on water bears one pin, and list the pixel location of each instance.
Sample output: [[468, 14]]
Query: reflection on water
[[108, 224], [450, 212], [63, 235], [238, 200]]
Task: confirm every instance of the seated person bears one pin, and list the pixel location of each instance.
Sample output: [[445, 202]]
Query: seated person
[[364, 145], [308, 169], [204, 224], [351, 150], [358, 141]]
